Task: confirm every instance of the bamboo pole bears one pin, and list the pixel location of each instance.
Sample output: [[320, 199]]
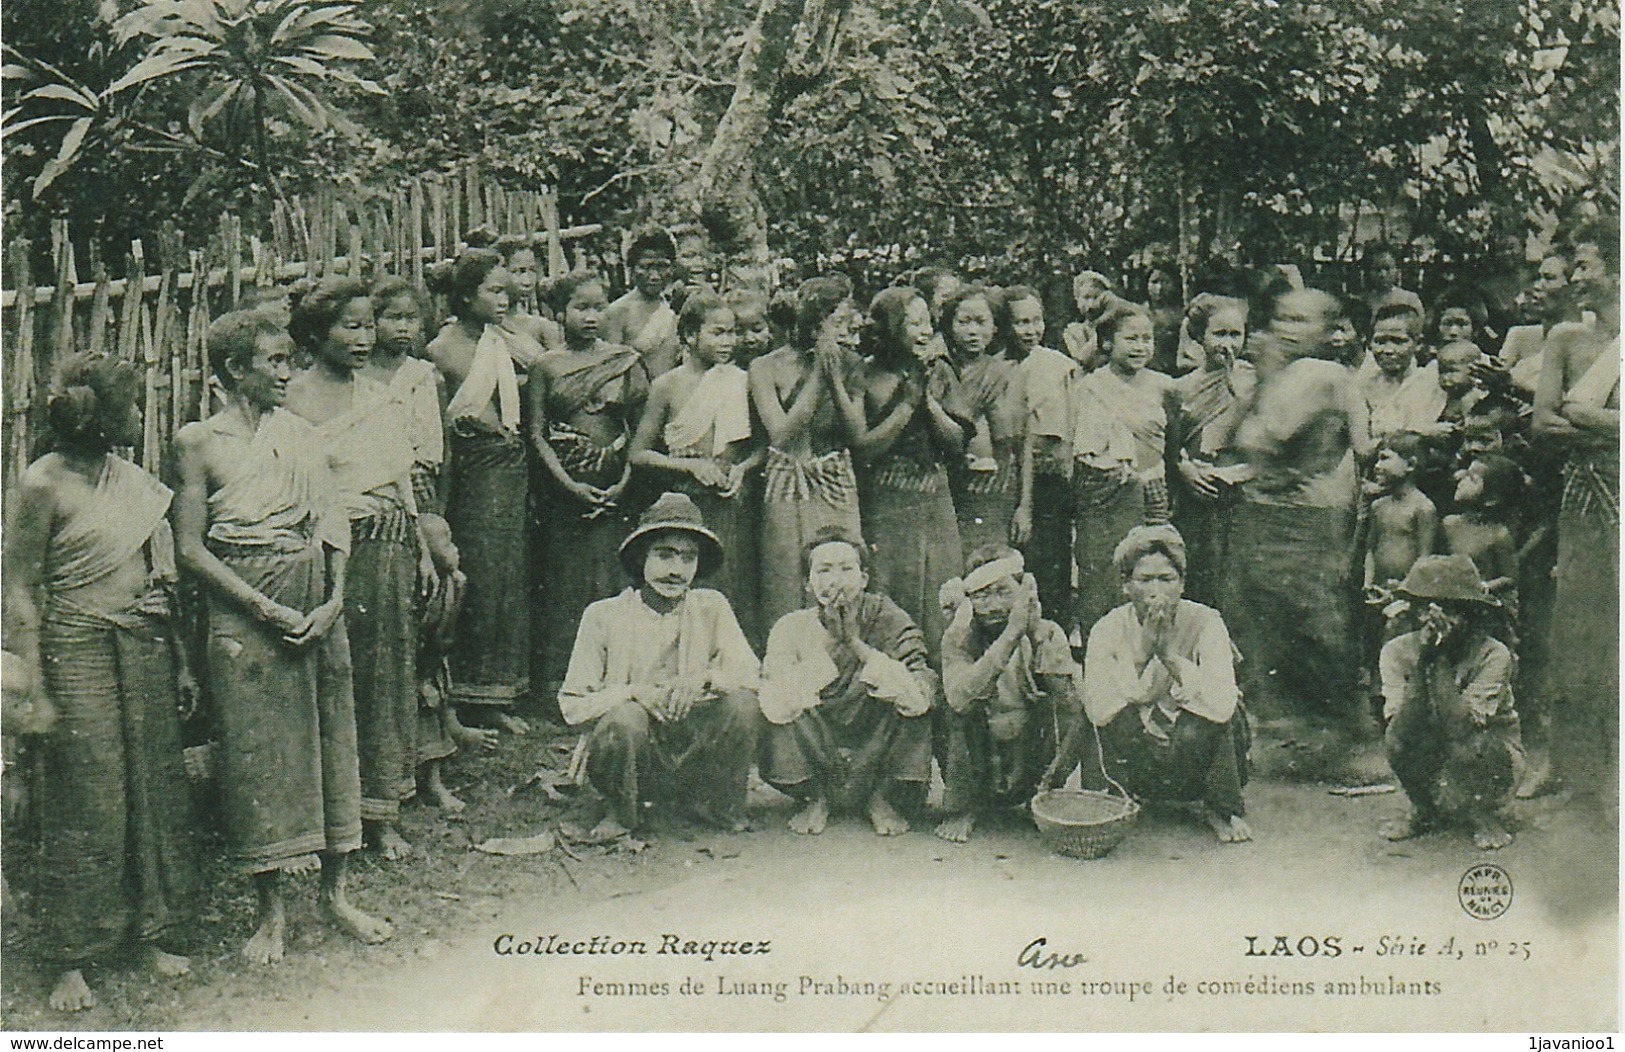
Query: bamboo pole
[[414, 232], [62, 301], [101, 308], [130, 316], [557, 266], [437, 216], [20, 369]]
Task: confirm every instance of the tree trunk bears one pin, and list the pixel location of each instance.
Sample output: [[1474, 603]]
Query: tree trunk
[[787, 49]]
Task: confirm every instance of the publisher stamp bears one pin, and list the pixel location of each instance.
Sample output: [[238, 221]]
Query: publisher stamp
[[1485, 891]]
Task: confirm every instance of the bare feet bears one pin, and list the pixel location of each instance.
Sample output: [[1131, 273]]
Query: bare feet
[[509, 722], [957, 829], [1408, 828], [303, 864], [811, 820], [360, 926], [1490, 835], [1232, 830], [389, 842], [884, 817], [164, 965], [72, 993], [480, 739], [265, 946], [439, 795]]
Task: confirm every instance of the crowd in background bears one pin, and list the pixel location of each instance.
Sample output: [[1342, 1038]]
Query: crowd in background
[[409, 501]]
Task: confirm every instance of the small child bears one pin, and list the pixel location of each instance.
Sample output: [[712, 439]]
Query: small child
[[1403, 520], [1489, 492], [1400, 528]]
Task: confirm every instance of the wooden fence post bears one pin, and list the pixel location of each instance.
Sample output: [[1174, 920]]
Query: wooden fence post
[[20, 369]]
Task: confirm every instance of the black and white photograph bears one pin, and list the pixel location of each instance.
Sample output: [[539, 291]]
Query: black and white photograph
[[783, 516]]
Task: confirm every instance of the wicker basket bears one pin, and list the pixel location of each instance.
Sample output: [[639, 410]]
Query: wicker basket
[[1083, 823]]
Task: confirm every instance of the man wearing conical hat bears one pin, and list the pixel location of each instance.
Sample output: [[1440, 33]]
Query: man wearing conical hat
[[1453, 737], [665, 680]]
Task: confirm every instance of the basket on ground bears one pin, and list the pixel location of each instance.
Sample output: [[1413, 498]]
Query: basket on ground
[[1083, 823]]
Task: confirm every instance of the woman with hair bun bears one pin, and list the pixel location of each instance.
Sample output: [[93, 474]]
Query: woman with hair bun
[[487, 486], [90, 574]]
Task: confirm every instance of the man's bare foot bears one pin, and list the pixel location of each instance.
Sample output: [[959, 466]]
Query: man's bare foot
[[265, 946], [507, 721], [389, 842], [360, 926], [957, 829], [480, 739], [1490, 835], [438, 794], [811, 820], [164, 965], [72, 993], [884, 817], [303, 864], [1410, 827], [1232, 830]]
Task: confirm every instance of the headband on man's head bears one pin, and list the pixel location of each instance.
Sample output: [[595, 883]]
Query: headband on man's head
[[1012, 565]]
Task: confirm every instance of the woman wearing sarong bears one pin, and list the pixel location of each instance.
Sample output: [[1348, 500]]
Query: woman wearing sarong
[[413, 382], [365, 430], [1042, 521], [486, 489], [696, 434], [915, 424], [988, 481], [1205, 500], [257, 524], [584, 406], [1578, 404], [1121, 447], [90, 571], [808, 483], [1286, 595], [642, 319]]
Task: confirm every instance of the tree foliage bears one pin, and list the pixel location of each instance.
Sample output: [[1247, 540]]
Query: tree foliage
[[876, 133]]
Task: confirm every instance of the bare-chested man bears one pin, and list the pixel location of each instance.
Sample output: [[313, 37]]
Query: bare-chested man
[[256, 525]]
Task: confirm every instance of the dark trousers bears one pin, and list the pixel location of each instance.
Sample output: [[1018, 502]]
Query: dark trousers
[[847, 751], [1049, 550], [1201, 760], [702, 760], [980, 771], [1450, 775]]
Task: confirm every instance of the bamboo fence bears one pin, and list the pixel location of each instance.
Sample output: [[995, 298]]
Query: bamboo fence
[[178, 289]]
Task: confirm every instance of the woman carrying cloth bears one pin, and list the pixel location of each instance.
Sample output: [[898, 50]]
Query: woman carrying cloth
[[486, 487]]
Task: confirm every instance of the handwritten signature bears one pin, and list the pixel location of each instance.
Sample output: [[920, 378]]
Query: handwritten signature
[[1038, 956]]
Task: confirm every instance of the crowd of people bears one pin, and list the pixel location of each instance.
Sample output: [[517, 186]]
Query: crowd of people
[[849, 549]]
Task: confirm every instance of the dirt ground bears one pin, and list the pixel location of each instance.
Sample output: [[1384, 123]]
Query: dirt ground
[[849, 908]]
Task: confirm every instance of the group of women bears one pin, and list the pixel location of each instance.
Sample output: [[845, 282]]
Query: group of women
[[491, 470]]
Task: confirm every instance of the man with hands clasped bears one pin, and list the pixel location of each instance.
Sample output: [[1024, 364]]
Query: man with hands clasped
[[1159, 688]]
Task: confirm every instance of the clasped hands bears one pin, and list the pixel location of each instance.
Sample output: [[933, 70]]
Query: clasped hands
[[668, 704]]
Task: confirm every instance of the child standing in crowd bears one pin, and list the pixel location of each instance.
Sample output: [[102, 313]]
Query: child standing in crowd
[[1403, 521], [527, 314], [987, 484], [1488, 492]]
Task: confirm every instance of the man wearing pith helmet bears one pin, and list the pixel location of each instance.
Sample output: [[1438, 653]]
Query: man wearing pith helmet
[[664, 678]]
